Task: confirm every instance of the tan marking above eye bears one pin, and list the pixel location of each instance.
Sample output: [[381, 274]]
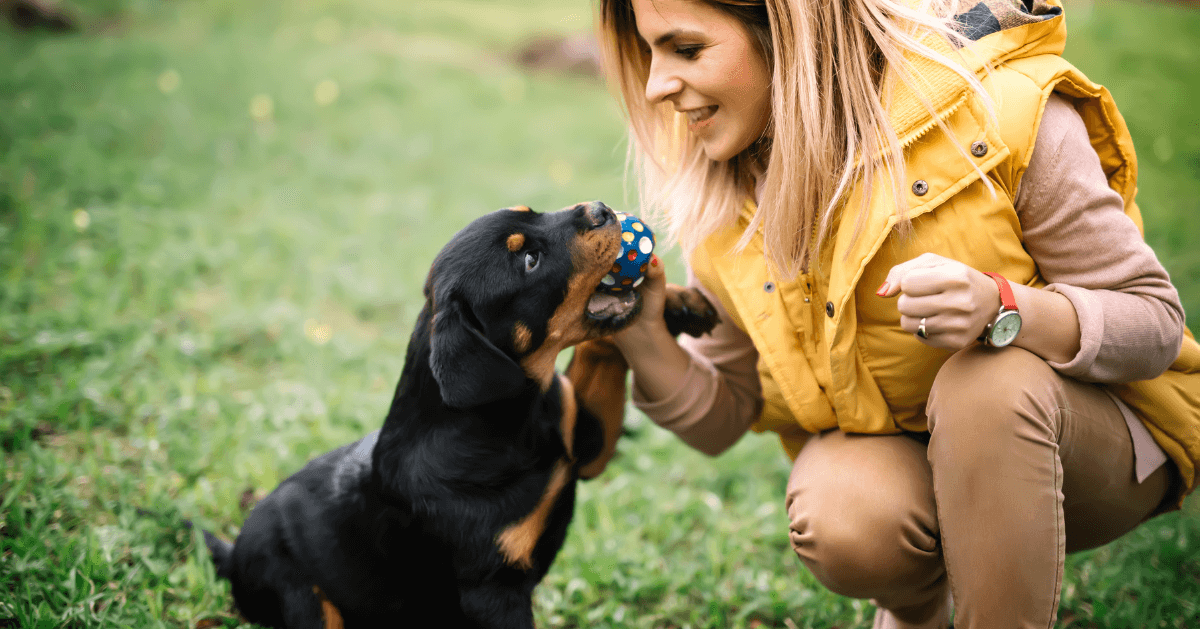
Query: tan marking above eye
[[522, 337], [519, 208], [515, 242]]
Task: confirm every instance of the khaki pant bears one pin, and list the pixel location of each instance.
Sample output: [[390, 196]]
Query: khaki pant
[[1022, 467]]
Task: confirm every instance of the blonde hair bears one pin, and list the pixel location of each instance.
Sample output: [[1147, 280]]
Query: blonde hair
[[829, 125]]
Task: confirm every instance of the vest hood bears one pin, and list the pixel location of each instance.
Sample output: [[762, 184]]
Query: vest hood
[[1000, 30]]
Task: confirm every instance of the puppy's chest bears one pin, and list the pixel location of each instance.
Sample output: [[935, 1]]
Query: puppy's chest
[[505, 474]]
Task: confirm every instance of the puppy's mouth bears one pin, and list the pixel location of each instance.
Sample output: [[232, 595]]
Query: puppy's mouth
[[610, 313]]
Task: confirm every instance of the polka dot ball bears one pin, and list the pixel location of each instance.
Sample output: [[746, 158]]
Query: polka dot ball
[[629, 269]]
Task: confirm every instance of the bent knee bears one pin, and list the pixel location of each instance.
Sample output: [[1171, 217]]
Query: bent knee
[[981, 389], [861, 546]]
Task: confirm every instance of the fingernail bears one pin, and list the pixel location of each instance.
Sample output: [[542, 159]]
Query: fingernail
[[654, 260], [883, 289]]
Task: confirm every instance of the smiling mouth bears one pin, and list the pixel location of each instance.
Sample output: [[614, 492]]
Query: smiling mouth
[[700, 115]]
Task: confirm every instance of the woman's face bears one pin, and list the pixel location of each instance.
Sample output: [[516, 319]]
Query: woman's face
[[704, 62]]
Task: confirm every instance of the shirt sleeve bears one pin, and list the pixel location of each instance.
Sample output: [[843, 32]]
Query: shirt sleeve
[[720, 394], [1075, 228]]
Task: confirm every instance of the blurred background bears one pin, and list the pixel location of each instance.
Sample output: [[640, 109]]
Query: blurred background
[[215, 221]]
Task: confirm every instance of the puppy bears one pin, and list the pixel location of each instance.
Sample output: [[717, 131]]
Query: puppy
[[454, 510]]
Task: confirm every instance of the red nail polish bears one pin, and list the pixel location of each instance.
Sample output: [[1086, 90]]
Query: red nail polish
[[654, 260], [883, 289]]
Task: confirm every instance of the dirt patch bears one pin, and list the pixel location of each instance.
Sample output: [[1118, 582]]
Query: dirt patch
[[29, 15], [568, 54]]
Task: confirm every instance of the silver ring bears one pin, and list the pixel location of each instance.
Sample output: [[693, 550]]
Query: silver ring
[[921, 332]]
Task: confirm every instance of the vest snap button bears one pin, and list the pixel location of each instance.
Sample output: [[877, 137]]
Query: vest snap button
[[920, 187], [769, 287], [829, 308], [979, 148]]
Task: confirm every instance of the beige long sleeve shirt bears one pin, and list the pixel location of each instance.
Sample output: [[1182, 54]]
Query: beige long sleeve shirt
[[1075, 228]]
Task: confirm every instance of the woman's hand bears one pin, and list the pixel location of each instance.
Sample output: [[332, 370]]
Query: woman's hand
[[659, 364], [649, 322], [956, 301]]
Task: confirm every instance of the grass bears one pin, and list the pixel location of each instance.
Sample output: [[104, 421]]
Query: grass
[[215, 220]]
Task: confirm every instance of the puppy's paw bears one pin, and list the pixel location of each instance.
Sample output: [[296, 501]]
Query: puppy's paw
[[689, 312]]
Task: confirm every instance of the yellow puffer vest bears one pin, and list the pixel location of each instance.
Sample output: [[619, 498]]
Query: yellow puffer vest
[[832, 354]]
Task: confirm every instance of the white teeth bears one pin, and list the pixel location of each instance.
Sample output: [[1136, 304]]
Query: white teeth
[[703, 113]]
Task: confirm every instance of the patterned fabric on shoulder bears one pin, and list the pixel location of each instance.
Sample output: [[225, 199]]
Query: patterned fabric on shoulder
[[993, 16]]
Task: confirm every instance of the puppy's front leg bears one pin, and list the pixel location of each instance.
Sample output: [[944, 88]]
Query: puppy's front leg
[[598, 372]]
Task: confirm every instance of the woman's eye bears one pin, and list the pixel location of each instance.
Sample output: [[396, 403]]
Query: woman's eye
[[531, 260], [688, 52]]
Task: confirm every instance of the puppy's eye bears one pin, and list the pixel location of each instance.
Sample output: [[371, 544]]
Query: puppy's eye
[[531, 260]]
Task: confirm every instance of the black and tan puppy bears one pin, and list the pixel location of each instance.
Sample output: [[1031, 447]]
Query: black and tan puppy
[[453, 511]]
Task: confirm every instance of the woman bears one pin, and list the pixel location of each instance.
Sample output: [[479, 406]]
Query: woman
[[918, 225]]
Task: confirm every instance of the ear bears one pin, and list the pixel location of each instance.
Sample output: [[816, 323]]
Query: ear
[[469, 369]]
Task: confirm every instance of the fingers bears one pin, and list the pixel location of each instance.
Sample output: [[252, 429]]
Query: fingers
[[654, 288], [653, 291], [950, 297], [941, 325], [928, 274], [911, 324], [656, 271], [953, 319], [930, 305], [919, 274], [941, 331]]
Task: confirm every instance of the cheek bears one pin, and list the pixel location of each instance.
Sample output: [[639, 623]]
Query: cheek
[[761, 108], [748, 93], [756, 86]]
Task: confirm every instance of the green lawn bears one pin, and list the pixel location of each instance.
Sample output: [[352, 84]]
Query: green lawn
[[215, 221]]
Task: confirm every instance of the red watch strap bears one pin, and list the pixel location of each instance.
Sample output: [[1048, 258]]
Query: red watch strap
[[1007, 300]]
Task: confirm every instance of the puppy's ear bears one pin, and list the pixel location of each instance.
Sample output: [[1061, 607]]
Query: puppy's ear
[[469, 369]]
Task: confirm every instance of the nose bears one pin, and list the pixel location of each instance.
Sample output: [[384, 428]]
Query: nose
[[598, 214], [661, 84]]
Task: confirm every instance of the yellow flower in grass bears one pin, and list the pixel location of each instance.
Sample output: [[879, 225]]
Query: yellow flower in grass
[[326, 92], [262, 107], [317, 332], [168, 81]]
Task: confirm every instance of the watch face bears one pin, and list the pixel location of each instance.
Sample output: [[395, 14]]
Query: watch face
[[1005, 329]]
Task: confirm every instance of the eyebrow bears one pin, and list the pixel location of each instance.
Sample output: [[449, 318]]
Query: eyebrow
[[666, 37]]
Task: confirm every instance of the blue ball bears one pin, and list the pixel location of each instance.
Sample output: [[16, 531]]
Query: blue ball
[[629, 269]]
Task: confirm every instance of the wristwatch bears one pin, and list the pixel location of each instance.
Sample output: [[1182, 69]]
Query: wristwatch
[[1004, 328]]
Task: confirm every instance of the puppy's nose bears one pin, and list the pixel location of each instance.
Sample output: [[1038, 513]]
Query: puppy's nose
[[598, 213]]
